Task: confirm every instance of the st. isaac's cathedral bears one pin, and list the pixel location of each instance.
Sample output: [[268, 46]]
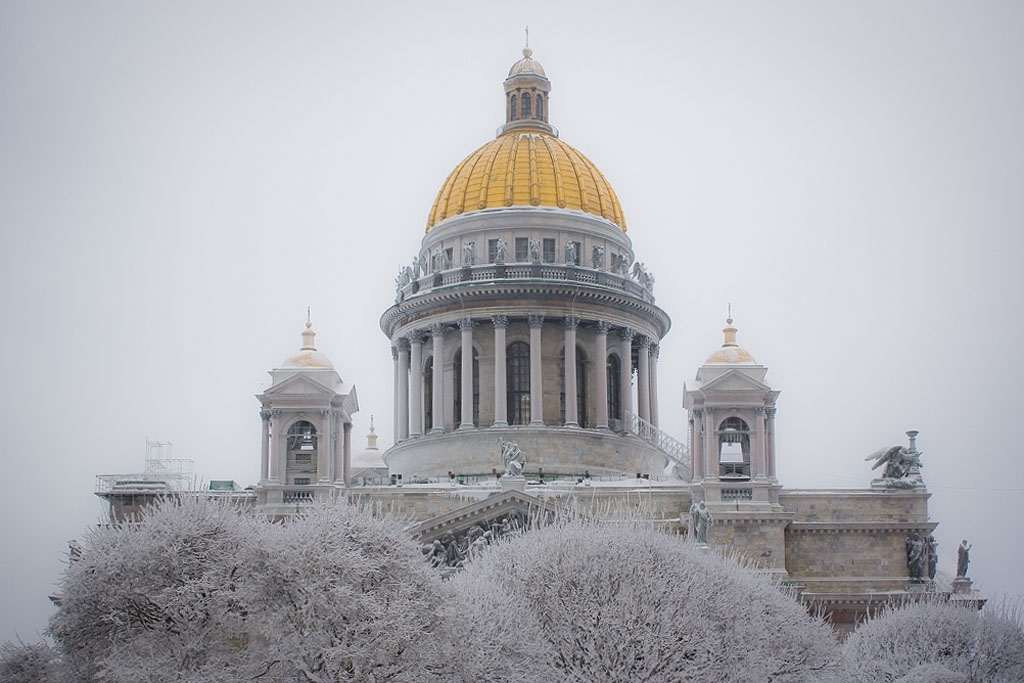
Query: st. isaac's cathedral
[[525, 338]]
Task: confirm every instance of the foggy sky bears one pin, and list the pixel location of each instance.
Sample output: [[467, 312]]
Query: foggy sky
[[179, 181]]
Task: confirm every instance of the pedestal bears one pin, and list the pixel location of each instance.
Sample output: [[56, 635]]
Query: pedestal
[[513, 483]]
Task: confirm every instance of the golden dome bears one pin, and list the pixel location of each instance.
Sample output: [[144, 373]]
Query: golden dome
[[526, 168], [730, 351]]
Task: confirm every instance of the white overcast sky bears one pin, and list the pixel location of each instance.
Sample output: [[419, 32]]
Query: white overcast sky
[[179, 181]]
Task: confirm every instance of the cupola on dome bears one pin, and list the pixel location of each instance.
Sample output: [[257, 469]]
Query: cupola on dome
[[730, 351], [308, 356], [527, 164]]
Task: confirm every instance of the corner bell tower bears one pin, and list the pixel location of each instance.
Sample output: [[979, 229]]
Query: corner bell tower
[[732, 429]]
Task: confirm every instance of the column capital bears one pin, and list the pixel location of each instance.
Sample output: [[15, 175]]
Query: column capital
[[500, 322], [643, 340], [626, 333], [698, 413], [571, 322], [394, 352], [771, 413], [465, 324], [276, 412], [325, 413], [402, 343], [416, 336], [535, 320], [264, 415], [655, 349], [603, 327], [437, 330]]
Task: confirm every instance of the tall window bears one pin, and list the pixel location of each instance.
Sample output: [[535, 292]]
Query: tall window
[[614, 377], [540, 107], [734, 449], [302, 443], [581, 389], [517, 373], [549, 250], [527, 105], [458, 388], [492, 251], [428, 395], [512, 109], [522, 249]]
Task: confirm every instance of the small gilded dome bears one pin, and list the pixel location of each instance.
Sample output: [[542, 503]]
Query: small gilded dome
[[730, 351], [308, 356], [527, 65], [526, 168]]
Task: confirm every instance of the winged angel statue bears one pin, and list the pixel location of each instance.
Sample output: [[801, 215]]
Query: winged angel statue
[[902, 466]]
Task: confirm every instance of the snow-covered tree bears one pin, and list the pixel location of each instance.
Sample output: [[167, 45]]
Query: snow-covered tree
[[937, 641], [204, 592], [21, 663], [590, 601]]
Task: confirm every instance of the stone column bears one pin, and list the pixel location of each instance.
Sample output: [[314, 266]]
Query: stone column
[[339, 448], [396, 395], [278, 449], [437, 419], [710, 445], [265, 446], [500, 379], [643, 379], [466, 390], [347, 450], [696, 444], [770, 443], [762, 443], [626, 375], [536, 377], [571, 414], [416, 388], [655, 352], [402, 399], [324, 448], [601, 363]]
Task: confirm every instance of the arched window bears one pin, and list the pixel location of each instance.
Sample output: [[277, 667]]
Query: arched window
[[458, 388], [733, 449], [581, 388], [614, 377], [540, 107], [514, 113], [428, 394], [517, 374], [302, 444], [527, 105]]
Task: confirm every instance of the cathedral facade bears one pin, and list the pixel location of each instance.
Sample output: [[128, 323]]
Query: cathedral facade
[[525, 339]]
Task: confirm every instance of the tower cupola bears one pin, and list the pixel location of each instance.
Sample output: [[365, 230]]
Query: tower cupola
[[526, 96]]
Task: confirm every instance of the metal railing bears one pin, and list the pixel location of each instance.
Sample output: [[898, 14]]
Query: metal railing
[[666, 443], [520, 271]]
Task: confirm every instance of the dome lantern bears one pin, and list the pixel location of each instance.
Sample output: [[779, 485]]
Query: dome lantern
[[526, 95]]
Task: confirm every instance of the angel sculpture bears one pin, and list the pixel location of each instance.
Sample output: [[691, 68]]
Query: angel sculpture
[[901, 465]]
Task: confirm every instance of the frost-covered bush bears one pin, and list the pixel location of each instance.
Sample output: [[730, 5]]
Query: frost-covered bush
[[21, 663], [200, 591], [937, 641], [589, 601]]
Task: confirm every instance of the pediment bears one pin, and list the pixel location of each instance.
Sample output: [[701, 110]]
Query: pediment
[[484, 513], [734, 380], [299, 385]]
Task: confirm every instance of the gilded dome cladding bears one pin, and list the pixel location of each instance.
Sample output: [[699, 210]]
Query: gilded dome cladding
[[526, 168]]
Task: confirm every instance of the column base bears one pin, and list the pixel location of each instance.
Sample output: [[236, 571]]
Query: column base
[[572, 425], [466, 426], [436, 430], [537, 423], [499, 424]]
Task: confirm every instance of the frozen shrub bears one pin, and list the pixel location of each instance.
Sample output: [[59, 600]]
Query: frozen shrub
[[589, 601], [937, 641]]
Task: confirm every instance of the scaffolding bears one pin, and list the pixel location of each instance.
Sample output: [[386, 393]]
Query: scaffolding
[[163, 474]]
